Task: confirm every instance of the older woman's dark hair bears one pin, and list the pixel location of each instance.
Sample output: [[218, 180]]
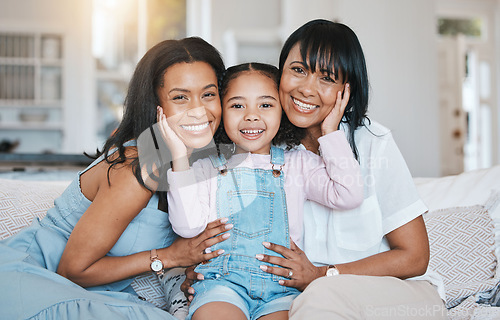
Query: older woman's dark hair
[[288, 135], [335, 47], [142, 98]]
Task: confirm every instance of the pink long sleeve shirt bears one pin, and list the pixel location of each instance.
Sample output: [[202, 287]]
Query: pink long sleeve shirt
[[333, 180]]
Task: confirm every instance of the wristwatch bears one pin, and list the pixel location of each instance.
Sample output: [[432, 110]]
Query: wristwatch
[[332, 271], [156, 264]]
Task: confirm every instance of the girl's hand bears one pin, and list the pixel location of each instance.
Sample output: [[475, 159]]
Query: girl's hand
[[332, 120], [174, 143], [294, 261], [187, 252], [191, 277]]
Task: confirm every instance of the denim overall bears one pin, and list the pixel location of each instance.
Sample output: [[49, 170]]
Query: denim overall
[[254, 202]]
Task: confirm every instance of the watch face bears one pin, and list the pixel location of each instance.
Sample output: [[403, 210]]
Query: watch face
[[332, 272], [156, 265]]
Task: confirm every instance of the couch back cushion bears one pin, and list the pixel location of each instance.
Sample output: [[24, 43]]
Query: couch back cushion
[[21, 201]]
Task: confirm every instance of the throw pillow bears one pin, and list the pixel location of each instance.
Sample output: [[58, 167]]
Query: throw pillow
[[462, 250], [148, 287]]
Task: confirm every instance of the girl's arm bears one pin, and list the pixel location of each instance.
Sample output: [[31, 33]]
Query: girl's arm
[[188, 194], [113, 207], [333, 180], [189, 199]]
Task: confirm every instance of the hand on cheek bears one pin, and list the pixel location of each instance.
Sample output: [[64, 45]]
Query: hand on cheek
[[173, 142], [332, 120]]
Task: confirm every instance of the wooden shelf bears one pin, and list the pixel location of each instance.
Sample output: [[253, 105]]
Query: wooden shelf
[[41, 126]]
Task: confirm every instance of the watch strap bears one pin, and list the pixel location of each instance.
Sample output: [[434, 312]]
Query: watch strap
[[153, 255]]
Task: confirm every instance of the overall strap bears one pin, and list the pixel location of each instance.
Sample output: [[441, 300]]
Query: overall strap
[[277, 160], [277, 156], [219, 162]]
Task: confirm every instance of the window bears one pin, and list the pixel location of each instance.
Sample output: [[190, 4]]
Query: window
[[123, 30], [469, 27]]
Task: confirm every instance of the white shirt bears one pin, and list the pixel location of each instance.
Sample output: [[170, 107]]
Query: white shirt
[[391, 200]]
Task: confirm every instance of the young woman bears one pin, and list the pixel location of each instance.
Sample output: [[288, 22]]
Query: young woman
[[260, 189], [107, 227], [359, 257]]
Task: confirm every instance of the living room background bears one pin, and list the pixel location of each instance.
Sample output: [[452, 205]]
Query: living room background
[[97, 44]]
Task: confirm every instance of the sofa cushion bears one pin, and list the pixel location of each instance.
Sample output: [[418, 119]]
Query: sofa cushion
[[21, 201], [462, 245], [149, 287], [465, 189]]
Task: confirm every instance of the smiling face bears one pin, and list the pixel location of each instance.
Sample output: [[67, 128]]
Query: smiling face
[[251, 112], [307, 96], [190, 100]]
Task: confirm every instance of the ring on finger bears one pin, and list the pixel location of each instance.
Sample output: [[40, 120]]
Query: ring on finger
[[207, 250], [290, 274]]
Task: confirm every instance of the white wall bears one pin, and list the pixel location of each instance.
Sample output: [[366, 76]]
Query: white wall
[[399, 40]]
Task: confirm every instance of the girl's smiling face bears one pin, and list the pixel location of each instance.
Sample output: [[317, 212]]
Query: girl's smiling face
[[307, 96], [190, 100], [251, 112]]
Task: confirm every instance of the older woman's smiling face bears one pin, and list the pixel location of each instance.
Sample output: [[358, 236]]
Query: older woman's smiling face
[[307, 96]]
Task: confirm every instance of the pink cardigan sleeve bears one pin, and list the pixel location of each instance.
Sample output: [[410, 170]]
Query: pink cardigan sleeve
[[334, 179], [189, 200]]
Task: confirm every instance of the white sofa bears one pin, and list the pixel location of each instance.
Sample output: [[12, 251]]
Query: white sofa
[[462, 223]]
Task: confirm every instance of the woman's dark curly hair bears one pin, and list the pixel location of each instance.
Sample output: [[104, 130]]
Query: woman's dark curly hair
[[288, 135]]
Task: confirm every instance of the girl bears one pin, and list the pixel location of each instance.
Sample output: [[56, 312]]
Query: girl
[[260, 190], [107, 227]]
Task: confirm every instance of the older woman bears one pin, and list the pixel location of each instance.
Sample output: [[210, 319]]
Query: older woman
[[357, 260]]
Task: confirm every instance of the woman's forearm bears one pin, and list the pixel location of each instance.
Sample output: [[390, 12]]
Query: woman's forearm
[[393, 263], [396, 263], [109, 269], [181, 253], [408, 255]]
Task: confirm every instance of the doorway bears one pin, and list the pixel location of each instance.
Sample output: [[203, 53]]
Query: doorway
[[466, 100]]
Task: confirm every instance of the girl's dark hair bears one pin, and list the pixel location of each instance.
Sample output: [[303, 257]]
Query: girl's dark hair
[[142, 98], [325, 44], [287, 134]]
